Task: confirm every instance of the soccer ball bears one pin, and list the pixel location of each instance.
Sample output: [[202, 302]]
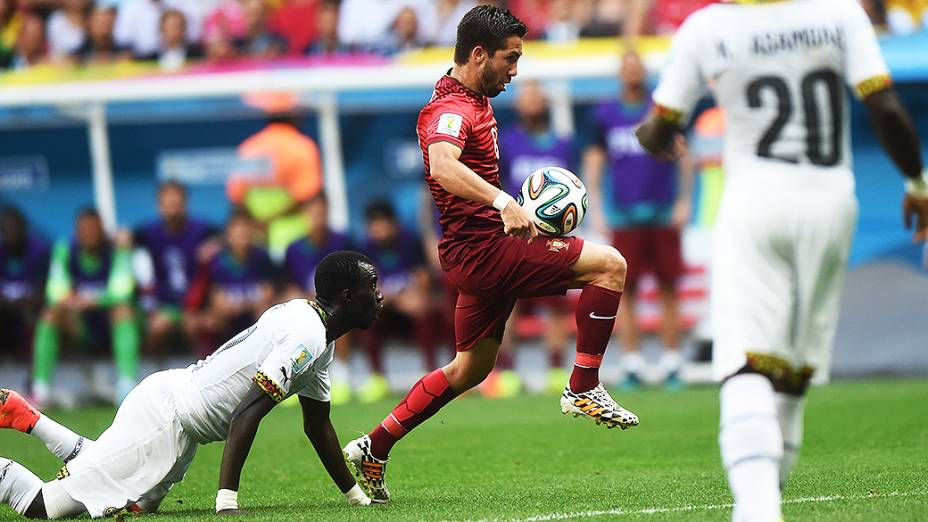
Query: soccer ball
[[556, 200]]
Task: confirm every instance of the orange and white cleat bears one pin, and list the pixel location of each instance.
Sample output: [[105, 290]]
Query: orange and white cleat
[[598, 405], [16, 412], [367, 469]]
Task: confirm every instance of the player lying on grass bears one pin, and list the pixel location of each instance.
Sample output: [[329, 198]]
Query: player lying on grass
[[787, 216], [490, 251], [154, 437]]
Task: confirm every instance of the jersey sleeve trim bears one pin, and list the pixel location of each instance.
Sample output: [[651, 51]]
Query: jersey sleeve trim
[[873, 85], [664, 113], [268, 385], [444, 137]]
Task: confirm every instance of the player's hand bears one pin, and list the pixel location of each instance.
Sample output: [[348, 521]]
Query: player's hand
[[675, 150], [680, 215], [516, 222], [915, 209]]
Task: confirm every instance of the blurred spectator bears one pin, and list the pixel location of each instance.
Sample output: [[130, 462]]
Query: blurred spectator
[[406, 286], [300, 262], [363, 23], [174, 245], [635, 18], [67, 28], [225, 20], [175, 50], [138, 21], [292, 176], [327, 42], [906, 16], [11, 20], [529, 145], [604, 17], [240, 281], [646, 210], [89, 292], [296, 21], [258, 39], [448, 14], [562, 27], [403, 33], [670, 14], [533, 13], [30, 45], [100, 45], [23, 268]]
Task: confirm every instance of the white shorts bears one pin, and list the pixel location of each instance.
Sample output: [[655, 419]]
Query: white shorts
[[780, 255], [139, 457]]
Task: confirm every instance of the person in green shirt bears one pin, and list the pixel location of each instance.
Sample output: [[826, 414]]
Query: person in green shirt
[[89, 298]]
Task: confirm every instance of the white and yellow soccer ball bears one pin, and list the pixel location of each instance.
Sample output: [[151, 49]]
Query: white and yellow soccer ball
[[555, 198]]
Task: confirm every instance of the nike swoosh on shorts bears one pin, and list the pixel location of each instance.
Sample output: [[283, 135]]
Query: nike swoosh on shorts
[[605, 318]]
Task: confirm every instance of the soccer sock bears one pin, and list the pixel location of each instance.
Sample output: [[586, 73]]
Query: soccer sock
[[58, 504], [45, 357], [375, 351], [751, 447], [18, 485], [596, 312], [126, 352], [61, 441], [555, 359], [632, 363], [425, 398], [671, 361], [790, 410]]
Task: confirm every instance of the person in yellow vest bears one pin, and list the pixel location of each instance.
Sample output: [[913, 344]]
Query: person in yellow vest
[[287, 173]]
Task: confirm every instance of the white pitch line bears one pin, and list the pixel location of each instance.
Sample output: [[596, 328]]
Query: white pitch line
[[617, 512]]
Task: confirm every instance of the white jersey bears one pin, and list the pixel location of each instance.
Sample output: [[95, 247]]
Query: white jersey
[[778, 69], [284, 353]]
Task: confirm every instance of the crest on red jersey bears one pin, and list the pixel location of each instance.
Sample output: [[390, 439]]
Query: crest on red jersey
[[556, 244]]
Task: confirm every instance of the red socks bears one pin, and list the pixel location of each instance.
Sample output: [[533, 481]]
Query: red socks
[[596, 311], [425, 398]]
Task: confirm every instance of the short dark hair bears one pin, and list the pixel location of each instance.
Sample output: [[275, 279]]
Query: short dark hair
[[380, 209], [338, 271], [172, 184], [239, 214], [487, 26], [88, 212]]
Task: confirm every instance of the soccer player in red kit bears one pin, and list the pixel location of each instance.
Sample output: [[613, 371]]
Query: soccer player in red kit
[[490, 250]]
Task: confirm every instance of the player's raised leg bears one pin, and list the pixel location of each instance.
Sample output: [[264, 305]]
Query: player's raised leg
[[16, 413], [600, 270]]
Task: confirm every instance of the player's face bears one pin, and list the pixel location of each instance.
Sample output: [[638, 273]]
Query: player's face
[[368, 299], [632, 71], [172, 204], [89, 232], [501, 67]]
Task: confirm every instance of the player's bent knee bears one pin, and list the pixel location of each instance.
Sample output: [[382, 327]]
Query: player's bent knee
[[612, 269]]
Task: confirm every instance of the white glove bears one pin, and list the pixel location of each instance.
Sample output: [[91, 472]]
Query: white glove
[[918, 187], [356, 497]]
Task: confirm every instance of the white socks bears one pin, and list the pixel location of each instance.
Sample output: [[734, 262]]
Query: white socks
[[18, 485], [61, 441], [790, 410], [58, 504], [632, 362], [752, 447]]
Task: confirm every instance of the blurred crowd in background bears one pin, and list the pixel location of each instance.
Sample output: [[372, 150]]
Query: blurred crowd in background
[[178, 285], [174, 33]]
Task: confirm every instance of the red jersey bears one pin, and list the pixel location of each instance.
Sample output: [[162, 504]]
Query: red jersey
[[460, 116]]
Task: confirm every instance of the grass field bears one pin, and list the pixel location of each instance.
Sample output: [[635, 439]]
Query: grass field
[[865, 458]]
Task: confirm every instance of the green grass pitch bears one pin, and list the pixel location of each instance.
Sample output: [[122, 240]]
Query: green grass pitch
[[865, 458]]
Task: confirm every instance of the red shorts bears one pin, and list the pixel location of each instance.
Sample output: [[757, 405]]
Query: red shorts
[[650, 249], [492, 277]]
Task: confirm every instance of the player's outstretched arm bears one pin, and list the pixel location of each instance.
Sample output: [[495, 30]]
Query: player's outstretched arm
[[242, 429], [321, 433], [446, 168], [897, 135]]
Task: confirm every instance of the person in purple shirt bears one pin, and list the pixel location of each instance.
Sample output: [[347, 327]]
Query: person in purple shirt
[[24, 260], [241, 278], [174, 244], [406, 285], [526, 146], [638, 202], [300, 261]]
